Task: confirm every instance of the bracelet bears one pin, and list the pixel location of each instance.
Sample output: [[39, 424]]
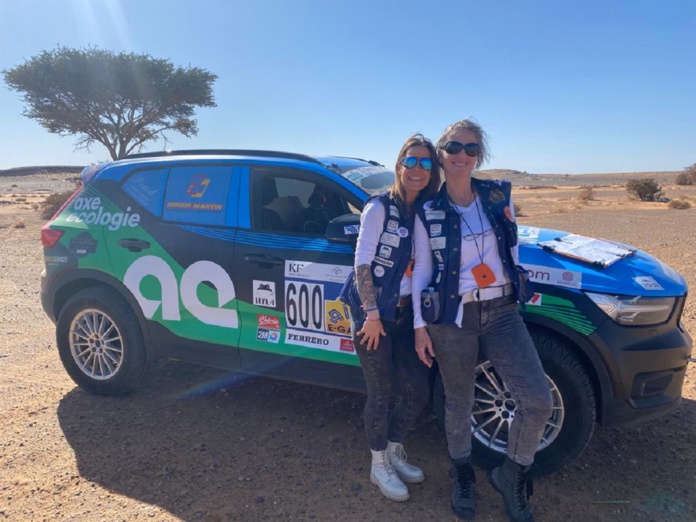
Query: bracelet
[[370, 309]]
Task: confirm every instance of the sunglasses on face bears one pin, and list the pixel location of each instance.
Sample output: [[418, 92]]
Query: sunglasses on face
[[410, 162], [454, 147]]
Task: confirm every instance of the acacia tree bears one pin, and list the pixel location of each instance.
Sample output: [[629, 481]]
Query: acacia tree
[[120, 100]]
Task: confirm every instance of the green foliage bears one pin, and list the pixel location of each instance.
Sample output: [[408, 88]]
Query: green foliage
[[679, 204], [645, 189], [120, 100], [688, 177], [52, 203]]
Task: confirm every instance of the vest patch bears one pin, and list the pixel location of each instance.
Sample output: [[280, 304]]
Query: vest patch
[[385, 251], [438, 243], [378, 271], [384, 262], [390, 239], [435, 230], [392, 226]]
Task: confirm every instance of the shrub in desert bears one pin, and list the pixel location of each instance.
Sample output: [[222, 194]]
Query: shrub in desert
[[518, 210], [679, 204], [688, 177], [645, 189], [53, 202], [586, 194]]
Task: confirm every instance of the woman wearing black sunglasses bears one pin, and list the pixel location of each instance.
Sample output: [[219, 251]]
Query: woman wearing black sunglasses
[[468, 275], [379, 294]]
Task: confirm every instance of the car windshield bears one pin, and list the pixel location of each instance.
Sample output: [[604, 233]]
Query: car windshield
[[371, 179]]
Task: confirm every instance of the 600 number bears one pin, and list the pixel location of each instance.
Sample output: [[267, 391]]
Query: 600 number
[[304, 306]]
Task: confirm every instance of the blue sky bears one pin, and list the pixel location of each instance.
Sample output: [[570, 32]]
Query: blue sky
[[560, 86]]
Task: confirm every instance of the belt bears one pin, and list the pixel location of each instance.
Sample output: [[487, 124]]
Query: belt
[[404, 301], [490, 292]]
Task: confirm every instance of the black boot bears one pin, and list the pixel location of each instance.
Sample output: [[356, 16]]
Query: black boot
[[463, 489], [514, 482]]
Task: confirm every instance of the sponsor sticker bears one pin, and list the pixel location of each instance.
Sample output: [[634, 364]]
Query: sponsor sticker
[[89, 210], [268, 321], [351, 230], [527, 234], [264, 293], [435, 230], [535, 300], [268, 335], [390, 239], [56, 259], [392, 226], [648, 283], [316, 271], [337, 318], [347, 346], [554, 276]]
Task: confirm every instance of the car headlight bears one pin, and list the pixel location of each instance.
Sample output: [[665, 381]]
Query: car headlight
[[634, 310]]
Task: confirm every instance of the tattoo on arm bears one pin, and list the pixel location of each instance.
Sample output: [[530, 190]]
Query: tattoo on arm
[[366, 288]]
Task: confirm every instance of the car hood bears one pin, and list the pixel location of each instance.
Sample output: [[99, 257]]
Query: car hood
[[636, 274]]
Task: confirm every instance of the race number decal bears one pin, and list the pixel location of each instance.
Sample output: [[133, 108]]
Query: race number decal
[[304, 305]]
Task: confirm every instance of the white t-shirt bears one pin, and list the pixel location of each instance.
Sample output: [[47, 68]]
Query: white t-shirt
[[478, 242], [371, 228]]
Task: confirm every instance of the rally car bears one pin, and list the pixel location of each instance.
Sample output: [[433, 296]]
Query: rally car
[[235, 259]]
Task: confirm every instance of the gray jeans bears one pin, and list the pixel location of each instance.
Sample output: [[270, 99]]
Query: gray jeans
[[495, 327]]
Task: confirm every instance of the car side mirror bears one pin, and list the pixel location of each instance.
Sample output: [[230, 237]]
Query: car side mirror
[[343, 229]]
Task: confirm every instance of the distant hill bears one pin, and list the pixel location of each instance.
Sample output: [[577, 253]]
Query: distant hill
[[519, 179], [534, 180], [30, 171]]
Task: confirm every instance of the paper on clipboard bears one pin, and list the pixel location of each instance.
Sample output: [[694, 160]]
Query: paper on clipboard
[[589, 249]]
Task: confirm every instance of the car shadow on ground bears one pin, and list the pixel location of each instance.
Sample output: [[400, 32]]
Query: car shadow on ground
[[209, 445]]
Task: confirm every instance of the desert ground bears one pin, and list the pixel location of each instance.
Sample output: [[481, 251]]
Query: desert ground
[[200, 444]]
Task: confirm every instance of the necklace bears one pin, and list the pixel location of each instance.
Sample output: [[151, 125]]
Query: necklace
[[483, 275]]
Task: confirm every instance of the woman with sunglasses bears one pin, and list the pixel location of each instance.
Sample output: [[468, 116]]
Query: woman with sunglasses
[[379, 294], [468, 274]]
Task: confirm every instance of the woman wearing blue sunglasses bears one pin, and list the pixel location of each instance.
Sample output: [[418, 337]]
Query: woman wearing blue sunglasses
[[379, 294], [468, 274]]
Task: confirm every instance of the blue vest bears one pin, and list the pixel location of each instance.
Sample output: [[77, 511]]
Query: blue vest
[[391, 260], [443, 224]]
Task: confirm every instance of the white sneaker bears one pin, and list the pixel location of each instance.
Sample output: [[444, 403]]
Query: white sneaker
[[407, 472], [385, 478]]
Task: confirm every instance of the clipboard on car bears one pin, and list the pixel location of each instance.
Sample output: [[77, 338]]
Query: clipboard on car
[[598, 252]]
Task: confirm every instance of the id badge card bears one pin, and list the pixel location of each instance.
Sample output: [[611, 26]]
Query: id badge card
[[483, 275]]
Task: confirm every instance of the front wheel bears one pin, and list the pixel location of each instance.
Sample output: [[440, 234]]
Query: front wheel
[[100, 342], [569, 428]]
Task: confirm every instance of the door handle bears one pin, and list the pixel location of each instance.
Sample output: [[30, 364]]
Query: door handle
[[264, 260], [134, 245]]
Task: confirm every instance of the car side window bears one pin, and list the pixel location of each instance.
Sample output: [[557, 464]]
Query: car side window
[[296, 203], [197, 195]]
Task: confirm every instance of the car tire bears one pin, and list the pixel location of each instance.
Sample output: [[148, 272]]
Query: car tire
[[100, 342], [574, 410]]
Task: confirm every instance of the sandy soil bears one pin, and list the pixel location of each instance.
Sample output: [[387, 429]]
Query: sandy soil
[[200, 444]]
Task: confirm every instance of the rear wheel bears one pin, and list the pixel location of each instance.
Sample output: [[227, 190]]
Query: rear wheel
[[100, 342], [569, 428]]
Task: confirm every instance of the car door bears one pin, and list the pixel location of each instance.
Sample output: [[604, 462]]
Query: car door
[[178, 263], [293, 325]]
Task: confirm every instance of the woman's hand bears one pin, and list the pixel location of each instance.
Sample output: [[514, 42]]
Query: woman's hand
[[424, 346], [371, 332]]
